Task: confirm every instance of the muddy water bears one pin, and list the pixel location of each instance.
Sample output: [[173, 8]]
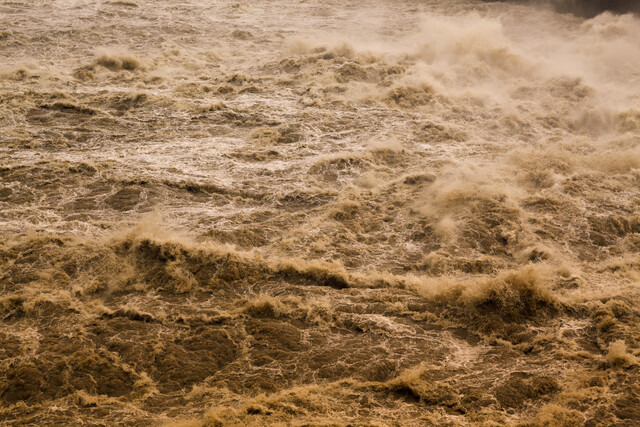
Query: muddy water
[[318, 213]]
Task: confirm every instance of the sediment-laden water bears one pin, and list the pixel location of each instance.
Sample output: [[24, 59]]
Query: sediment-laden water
[[318, 213]]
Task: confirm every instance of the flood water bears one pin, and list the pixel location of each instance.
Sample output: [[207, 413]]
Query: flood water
[[320, 212]]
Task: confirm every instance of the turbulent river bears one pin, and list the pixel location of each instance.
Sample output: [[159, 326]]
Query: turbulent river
[[320, 212]]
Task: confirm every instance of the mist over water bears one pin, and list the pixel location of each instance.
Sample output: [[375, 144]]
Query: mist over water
[[591, 8], [318, 213]]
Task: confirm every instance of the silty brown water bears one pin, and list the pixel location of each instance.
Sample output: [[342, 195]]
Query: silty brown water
[[318, 213]]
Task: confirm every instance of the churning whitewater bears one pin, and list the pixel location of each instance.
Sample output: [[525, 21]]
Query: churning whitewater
[[321, 212]]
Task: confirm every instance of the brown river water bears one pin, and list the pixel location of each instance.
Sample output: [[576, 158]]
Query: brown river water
[[319, 213]]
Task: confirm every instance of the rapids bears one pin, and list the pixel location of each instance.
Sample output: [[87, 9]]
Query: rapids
[[321, 212]]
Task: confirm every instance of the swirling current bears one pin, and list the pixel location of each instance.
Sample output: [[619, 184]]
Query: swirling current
[[319, 213]]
